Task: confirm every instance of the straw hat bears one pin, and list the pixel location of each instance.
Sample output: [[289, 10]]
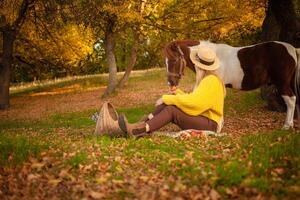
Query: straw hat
[[205, 58]]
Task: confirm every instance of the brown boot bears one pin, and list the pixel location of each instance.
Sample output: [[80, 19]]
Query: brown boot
[[136, 129]]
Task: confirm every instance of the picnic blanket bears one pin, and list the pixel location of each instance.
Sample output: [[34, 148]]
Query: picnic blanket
[[190, 133]]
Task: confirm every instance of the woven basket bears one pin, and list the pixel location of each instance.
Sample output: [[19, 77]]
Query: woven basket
[[107, 123]]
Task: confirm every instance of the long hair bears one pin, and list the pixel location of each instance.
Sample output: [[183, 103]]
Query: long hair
[[214, 72]]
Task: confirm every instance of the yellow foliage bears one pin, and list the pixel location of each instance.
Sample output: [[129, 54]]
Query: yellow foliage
[[70, 44], [10, 8]]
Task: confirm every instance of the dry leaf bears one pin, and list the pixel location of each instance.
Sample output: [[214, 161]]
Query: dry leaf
[[37, 165], [31, 177], [96, 195], [214, 195], [54, 181]]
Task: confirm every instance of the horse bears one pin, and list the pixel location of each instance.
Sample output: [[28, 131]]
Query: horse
[[244, 68]]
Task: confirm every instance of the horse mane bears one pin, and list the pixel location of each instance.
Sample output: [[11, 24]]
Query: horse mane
[[171, 49]]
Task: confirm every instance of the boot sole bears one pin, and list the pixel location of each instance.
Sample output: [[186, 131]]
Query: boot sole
[[122, 123]]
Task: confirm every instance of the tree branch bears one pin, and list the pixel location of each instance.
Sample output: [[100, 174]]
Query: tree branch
[[22, 14]]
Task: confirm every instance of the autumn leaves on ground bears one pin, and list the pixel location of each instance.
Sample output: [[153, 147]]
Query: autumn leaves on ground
[[48, 150]]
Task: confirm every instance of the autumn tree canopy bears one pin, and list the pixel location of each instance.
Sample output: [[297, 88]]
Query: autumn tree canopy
[[53, 38]]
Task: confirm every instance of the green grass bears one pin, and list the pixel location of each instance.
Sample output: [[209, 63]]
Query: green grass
[[83, 82], [269, 151], [243, 102], [267, 161], [251, 162], [16, 149], [78, 159], [260, 183], [134, 114], [72, 119], [231, 173]]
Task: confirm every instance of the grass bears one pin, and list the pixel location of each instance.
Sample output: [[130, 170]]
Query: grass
[[242, 103], [77, 160], [277, 150], [231, 173], [14, 150], [72, 119], [266, 163], [84, 83]]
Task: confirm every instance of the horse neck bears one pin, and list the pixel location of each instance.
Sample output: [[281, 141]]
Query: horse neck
[[189, 63], [228, 59]]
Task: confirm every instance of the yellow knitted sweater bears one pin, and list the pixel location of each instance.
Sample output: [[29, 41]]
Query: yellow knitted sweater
[[206, 100]]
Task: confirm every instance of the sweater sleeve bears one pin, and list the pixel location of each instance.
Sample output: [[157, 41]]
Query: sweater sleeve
[[198, 101]]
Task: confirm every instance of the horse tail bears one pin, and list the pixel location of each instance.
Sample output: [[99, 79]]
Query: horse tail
[[297, 83], [297, 73]]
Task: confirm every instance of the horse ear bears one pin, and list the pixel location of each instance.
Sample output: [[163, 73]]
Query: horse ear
[[176, 48], [173, 46], [180, 50]]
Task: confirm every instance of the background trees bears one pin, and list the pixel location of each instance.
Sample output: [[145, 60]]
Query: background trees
[[282, 22], [57, 38], [10, 25]]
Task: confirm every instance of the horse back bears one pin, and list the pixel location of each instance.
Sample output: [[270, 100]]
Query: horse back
[[269, 62]]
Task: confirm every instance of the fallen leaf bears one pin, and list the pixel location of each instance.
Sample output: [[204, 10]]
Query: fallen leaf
[[54, 181], [96, 195], [65, 174], [144, 178], [214, 195], [31, 177], [37, 165], [279, 171], [101, 180]]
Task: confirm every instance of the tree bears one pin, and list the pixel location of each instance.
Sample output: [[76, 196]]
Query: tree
[[10, 27], [133, 54], [282, 22], [110, 19]]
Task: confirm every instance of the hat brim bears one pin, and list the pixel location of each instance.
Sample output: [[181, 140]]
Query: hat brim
[[214, 66]]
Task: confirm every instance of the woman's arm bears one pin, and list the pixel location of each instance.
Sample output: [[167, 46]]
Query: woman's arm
[[198, 101]]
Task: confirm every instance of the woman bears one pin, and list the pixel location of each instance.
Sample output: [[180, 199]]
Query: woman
[[201, 110]]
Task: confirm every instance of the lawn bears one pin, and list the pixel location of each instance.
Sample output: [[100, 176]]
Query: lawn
[[48, 150]]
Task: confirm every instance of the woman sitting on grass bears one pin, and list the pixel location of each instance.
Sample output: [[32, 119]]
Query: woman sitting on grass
[[201, 110]]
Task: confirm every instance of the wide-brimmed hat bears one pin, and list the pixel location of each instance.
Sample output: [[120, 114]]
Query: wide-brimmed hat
[[205, 58]]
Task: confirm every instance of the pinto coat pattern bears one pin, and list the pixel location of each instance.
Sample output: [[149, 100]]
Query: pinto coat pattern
[[244, 68]]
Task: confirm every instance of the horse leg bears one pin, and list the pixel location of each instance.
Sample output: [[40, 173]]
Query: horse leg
[[297, 120], [290, 102]]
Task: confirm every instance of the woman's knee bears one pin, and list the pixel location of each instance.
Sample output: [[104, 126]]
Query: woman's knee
[[171, 109]]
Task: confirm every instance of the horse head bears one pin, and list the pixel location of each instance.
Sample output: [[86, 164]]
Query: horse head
[[177, 58], [175, 63]]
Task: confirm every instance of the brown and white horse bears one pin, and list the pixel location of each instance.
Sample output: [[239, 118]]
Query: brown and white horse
[[244, 68]]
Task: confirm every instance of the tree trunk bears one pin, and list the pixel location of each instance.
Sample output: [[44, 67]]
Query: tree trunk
[[9, 36], [9, 33], [286, 16], [270, 27], [281, 23], [111, 60], [133, 57]]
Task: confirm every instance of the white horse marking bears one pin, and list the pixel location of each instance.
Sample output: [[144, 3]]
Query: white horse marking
[[290, 103], [230, 70]]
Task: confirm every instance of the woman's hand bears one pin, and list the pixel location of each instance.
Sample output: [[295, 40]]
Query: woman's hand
[[173, 89]]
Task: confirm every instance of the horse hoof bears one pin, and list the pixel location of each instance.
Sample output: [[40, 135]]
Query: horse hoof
[[286, 127]]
